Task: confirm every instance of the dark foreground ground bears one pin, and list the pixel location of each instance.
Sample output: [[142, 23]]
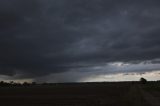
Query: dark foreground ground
[[84, 94]]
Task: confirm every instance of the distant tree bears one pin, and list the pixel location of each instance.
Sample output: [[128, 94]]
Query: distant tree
[[143, 80], [2, 83], [26, 84], [11, 82], [17, 84]]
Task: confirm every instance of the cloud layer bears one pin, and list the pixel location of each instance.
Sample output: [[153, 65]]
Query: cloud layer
[[42, 37]]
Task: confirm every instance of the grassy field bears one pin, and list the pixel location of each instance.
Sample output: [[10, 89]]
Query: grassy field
[[81, 94]]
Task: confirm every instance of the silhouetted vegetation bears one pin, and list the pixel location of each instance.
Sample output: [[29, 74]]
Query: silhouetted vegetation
[[12, 83], [143, 80]]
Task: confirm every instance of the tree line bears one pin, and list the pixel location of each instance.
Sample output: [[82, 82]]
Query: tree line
[[12, 83]]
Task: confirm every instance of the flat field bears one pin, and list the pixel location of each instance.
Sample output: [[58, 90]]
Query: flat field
[[82, 94]]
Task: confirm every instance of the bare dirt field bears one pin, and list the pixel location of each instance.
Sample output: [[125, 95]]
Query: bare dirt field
[[82, 94]]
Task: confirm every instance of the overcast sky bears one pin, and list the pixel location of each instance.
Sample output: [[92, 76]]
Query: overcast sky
[[79, 40]]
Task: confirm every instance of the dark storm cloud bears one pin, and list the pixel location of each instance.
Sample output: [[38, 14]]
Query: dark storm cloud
[[39, 37]]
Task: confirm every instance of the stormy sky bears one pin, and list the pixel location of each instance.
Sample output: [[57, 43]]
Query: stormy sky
[[79, 40]]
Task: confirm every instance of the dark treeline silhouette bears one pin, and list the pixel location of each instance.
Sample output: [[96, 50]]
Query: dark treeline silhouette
[[12, 83], [143, 80]]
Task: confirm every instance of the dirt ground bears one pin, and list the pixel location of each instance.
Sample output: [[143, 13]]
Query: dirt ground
[[85, 94]]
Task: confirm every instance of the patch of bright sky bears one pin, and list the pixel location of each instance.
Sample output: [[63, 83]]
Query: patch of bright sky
[[151, 76], [117, 71]]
